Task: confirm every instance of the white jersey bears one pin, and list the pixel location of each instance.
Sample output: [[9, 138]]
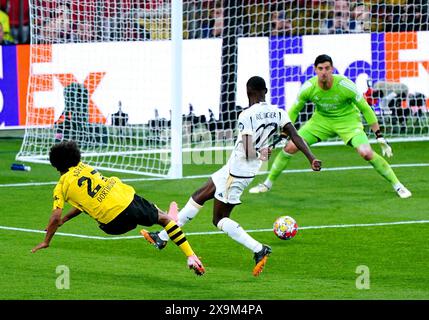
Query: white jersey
[[261, 121]]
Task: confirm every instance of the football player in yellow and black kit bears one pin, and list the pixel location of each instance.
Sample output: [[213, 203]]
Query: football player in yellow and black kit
[[112, 203]]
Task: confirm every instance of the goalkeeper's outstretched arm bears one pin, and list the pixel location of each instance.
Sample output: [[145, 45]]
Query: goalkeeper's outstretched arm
[[386, 149]]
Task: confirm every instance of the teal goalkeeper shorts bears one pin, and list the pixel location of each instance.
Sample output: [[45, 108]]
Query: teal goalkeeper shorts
[[320, 128]]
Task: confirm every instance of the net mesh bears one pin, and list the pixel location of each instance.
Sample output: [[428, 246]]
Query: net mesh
[[82, 86], [101, 71]]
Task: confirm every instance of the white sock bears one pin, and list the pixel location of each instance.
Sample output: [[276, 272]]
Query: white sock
[[188, 212], [268, 183], [398, 185], [185, 215], [236, 232]]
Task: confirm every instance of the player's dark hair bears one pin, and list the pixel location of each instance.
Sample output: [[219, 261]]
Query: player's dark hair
[[64, 155], [256, 84], [323, 58]]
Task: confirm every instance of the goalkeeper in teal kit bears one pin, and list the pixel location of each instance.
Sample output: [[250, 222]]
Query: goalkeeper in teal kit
[[337, 113]]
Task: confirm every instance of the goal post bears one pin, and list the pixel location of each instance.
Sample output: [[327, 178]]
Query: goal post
[[176, 170], [150, 86]]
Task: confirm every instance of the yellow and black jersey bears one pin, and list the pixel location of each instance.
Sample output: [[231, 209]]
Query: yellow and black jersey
[[86, 189]]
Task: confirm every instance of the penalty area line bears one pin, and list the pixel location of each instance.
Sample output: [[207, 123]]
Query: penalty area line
[[289, 171], [377, 224]]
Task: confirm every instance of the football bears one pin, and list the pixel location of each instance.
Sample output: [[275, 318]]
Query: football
[[285, 227]]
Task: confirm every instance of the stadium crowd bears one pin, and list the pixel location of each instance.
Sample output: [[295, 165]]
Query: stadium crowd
[[58, 21]]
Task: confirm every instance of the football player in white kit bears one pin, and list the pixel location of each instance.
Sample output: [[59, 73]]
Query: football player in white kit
[[256, 125]]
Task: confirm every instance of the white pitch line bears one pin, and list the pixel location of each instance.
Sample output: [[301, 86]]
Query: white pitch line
[[220, 232], [405, 165]]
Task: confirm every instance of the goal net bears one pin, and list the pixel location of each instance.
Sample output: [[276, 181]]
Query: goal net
[[101, 72], [100, 76]]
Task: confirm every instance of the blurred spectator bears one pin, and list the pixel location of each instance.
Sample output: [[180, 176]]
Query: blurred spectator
[[386, 17], [360, 18], [19, 25], [195, 15], [58, 29], [217, 20], [281, 25], [316, 13], [137, 32], [392, 18], [415, 17], [3, 41], [4, 20], [206, 25], [339, 22], [83, 33]]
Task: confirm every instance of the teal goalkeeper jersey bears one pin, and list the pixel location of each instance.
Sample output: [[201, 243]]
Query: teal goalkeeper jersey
[[341, 101]]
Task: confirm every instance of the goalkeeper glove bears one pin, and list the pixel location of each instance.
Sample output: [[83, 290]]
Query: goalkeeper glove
[[386, 149]]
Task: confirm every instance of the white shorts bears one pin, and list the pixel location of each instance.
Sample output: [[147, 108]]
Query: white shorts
[[229, 188]]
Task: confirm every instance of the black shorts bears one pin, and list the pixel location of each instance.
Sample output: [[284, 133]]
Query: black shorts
[[139, 212]]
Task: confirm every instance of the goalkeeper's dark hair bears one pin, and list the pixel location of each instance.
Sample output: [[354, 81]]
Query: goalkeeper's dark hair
[[256, 83], [64, 155], [323, 58]]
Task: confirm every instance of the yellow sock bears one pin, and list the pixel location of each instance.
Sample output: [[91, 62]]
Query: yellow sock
[[178, 237]]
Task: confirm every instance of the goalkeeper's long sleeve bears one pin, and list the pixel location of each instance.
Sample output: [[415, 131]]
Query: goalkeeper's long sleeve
[[366, 110], [295, 110]]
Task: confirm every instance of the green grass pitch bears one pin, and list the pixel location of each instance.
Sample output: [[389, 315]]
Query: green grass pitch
[[317, 264]]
